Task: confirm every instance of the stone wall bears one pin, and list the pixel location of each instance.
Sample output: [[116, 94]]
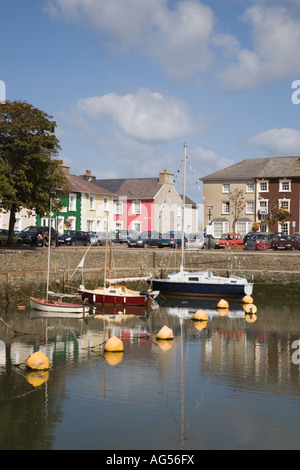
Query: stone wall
[[23, 272]]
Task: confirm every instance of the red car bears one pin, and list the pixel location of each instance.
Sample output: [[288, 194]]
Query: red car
[[286, 242], [230, 239]]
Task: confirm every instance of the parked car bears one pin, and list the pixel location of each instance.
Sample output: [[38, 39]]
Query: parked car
[[144, 240], [195, 241], [286, 242], [254, 238], [209, 241], [74, 237], [4, 237], [31, 234], [171, 239], [99, 238], [229, 239], [122, 236]]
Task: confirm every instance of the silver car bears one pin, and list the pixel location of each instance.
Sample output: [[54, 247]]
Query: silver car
[[195, 241], [99, 239]]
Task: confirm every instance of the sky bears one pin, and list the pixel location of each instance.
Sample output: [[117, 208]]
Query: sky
[[128, 82]]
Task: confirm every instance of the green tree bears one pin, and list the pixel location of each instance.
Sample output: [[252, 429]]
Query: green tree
[[237, 204], [28, 169]]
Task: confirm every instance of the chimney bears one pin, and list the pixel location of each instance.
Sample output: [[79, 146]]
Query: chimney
[[65, 168], [166, 178], [88, 176]]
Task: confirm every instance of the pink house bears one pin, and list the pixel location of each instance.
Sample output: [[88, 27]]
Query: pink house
[[145, 204]]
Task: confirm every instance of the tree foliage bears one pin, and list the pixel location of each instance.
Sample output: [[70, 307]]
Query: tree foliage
[[237, 204], [29, 173]]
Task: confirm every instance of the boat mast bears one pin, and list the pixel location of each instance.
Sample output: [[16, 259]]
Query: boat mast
[[183, 204], [49, 246]]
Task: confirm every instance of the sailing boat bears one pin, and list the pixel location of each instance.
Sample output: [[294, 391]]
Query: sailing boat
[[57, 307], [118, 296], [199, 283]]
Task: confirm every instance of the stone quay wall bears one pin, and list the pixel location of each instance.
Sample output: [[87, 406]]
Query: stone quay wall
[[23, 272]]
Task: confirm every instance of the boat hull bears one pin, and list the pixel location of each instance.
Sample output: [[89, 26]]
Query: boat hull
[[56, 306], [198, 289], [94, 298]]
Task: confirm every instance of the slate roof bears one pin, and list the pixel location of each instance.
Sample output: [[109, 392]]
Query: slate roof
[[273, 167], [75, 183], [132, 188]]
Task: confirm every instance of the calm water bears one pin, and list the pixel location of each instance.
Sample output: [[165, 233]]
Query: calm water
[[227, 384]]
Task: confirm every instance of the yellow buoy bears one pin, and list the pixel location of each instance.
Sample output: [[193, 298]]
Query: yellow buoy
[[165, 333], [37, 378], [223, 304], [113, 358], [200, 315], [200, 325], [164, 345], [250, 308], [38, 361], [223, 311], [248, 299], [251, 318], [114, 344]]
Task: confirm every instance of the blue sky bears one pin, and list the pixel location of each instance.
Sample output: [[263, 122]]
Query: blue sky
[[128, 81]]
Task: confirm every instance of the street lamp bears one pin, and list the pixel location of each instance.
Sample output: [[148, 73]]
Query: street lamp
[[209, 207]]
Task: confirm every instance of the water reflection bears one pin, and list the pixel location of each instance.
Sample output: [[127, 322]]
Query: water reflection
[[222, 383]]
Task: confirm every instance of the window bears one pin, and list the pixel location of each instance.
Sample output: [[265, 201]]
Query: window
[[106, 203], [118, 207], [263, 186], [136, 226], [220, 228], [72, 202], [70, 223], [136, 207], [285, 186], [263, 207], [241, 227], [284, 228], [225, 208], [90, 225], [284, 203], [92, 202], [249, 207], [226, 187], [249, 187]]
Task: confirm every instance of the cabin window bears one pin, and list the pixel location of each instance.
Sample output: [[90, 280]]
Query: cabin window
[[193, 279]]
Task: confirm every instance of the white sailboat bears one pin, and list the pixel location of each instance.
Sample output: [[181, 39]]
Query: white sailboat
[[57, 307], [199, 283]]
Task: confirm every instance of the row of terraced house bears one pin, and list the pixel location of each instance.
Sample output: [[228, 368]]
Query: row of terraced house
[[141, 204], [264, 186]]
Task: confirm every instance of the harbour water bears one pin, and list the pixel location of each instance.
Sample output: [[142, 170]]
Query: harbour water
[[228, 383]]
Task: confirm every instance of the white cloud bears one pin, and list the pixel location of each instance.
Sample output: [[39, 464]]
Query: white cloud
[[178, 39], [144, 115], [278, 141], [209, 161], [275, 54]]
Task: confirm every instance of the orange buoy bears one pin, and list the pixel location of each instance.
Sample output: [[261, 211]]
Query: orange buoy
[[223, 311], [113, 358], [38, 361], [223, 304], [165, 333], [200, 325], [250, 308], [247, 299], [114, 344], [200, 315], [21, 307]]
